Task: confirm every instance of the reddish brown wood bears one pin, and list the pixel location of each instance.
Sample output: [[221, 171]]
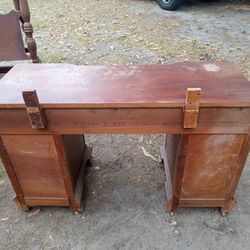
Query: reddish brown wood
[[16, 4], [207, 170], [168, 182], [41, 171], [13, 177], [191, 109], [126, 121], [203, 164], [125, 86], [11, 42], [28, 30], [12, 46], [242, 156], [35, 113]]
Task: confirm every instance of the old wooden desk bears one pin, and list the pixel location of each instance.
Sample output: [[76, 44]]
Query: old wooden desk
[[44, 152]]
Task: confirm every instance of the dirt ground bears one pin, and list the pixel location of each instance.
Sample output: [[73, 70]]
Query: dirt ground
[[125, 196]]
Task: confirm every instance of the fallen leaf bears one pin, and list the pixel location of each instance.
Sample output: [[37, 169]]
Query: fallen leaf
[[4, 219], [51, 237], [33, 212], [149, 155], [1, 182]]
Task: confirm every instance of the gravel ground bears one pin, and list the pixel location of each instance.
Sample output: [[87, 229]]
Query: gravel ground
[[125, 196]]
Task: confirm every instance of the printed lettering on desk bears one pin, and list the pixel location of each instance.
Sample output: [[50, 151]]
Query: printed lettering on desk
[[91, 124]]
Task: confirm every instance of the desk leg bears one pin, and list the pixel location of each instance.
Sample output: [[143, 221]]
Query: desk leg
[[46, 170], [173, 154]]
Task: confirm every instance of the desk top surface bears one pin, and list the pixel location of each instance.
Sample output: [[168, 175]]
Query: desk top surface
[[70, 86]]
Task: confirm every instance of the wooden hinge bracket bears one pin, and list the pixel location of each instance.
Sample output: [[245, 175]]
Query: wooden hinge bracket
[[191, 108], [35, 113]]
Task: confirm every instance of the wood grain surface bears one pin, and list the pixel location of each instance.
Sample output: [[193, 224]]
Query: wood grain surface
[[70, 86]]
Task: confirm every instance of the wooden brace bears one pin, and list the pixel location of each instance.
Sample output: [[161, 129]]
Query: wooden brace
[[191, 108], [35, 113]]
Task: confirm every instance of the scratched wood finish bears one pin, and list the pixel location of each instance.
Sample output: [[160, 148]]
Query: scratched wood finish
[[203, 164], [191, 109], [43, 169], [35, 113], [126, 121], [125, 86], [204, 168]]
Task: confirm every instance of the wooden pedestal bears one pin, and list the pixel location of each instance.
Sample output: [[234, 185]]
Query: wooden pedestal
[[203, 170], [46, 170]]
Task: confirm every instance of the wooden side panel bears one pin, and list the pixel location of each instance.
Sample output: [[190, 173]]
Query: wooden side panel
[[209, 166], [172, 142], [74, 148], [36, 165]]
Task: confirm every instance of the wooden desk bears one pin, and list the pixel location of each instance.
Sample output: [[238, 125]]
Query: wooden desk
[[206, 148]]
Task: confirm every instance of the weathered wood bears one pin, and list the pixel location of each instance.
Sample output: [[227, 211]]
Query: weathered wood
[[4, 156], [42, 170], [126, 121], [148, 86], [242, 157], [191, 108], [168, 182], [35, 113], [203, 161], [207, 170]]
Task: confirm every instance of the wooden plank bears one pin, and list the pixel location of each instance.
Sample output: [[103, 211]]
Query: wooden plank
[[201, 202], [191, 109], [210, 165], [36, 165], [65, 168], [10, 64], [242, 157], [125, 86], [126, 121], [12, 176], [78, 196], [35, 113], [48, 201], [182, 153], [168, 182]]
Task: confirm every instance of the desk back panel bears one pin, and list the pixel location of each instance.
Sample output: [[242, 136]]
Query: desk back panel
[[126, 121]]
